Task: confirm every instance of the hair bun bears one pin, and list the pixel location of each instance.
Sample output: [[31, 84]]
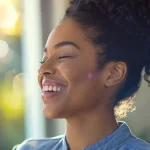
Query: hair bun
[[133, 16]]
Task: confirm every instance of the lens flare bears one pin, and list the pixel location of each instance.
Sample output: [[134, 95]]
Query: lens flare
[[8, 15], [18, 83], [90, 75], [4, 48]]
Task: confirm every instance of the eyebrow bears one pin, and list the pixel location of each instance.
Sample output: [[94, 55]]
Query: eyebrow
[[64, 43]]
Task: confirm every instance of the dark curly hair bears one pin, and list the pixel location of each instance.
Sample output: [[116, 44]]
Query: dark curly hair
[[122, 27]]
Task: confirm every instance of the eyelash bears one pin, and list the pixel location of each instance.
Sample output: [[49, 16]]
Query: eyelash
[[63, 57], [42, 62]]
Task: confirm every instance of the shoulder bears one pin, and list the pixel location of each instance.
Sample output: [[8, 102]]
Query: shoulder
[[40, 144], [134, 143], [139, 144]]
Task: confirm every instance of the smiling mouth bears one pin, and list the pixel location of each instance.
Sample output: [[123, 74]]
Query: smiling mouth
[[53, 88], [49, 93]]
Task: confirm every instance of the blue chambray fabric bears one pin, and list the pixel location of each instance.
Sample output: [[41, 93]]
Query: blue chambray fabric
[[120, 139]]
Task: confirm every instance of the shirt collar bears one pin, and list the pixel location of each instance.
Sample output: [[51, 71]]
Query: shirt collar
[[115, 138]]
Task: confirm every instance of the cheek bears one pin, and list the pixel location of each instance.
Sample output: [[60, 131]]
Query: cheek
[[76, 73], [81, 78], [83, 87]]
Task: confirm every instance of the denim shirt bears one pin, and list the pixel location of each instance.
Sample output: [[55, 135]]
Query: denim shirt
[[120, 139]]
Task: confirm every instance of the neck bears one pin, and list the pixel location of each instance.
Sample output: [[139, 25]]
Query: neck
[[84, 130]]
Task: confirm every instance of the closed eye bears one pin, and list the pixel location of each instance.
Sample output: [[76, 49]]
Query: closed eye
[[61, 57], [42, 62]]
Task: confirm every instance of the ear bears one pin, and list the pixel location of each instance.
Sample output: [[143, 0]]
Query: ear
[[116, 73]]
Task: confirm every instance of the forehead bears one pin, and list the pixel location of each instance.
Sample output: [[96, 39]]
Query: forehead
[[67, 30]]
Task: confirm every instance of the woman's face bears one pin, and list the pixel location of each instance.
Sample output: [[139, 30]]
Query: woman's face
[[70, 63]]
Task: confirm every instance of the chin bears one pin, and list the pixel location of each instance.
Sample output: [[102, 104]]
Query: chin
[[51, 113]]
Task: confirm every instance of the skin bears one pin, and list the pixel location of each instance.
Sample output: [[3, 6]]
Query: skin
[[87, 101]]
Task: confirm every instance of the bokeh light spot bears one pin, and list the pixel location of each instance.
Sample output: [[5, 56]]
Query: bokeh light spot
[[8, 15], [18, 83], [3, 49]]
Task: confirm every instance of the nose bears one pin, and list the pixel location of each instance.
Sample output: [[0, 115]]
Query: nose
[[46, 69]]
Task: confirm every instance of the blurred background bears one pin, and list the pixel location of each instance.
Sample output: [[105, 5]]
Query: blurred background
[[24, 28]]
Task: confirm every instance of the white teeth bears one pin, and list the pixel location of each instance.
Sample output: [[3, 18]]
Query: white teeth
[[54, 89], [50, 88], [58, 89], [46, 88]]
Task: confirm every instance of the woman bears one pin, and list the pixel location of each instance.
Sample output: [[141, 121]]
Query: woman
[[92, 63]]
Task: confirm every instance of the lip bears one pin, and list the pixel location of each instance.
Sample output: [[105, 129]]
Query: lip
[[47, 96], [50, 82]]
